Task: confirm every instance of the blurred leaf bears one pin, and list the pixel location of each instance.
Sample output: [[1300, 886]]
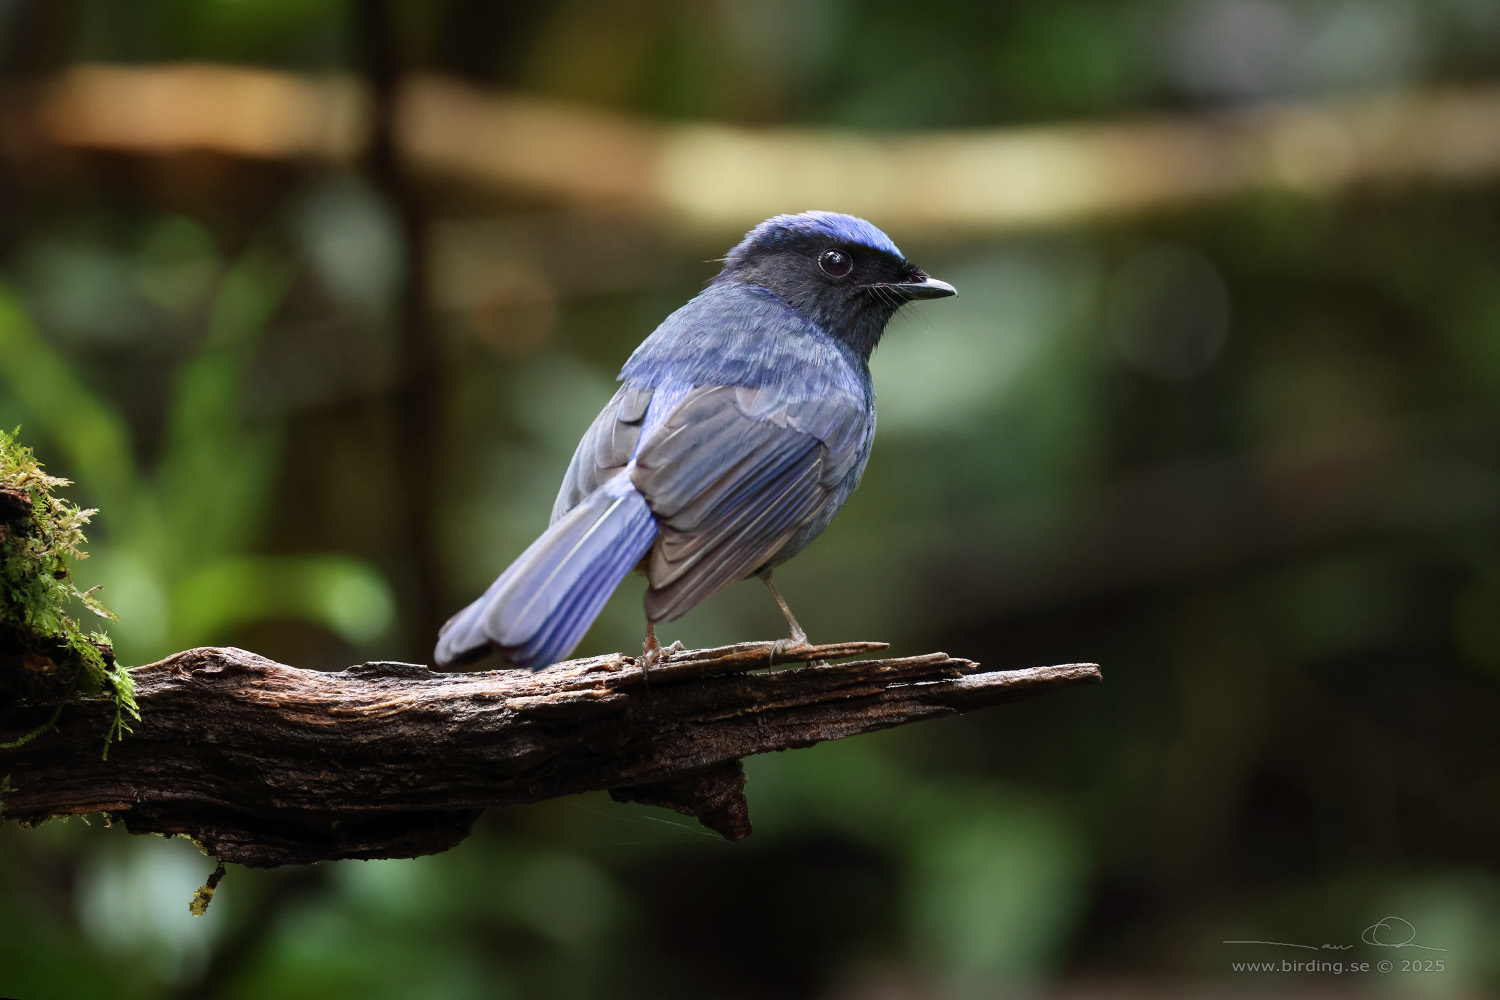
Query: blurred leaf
[[91, 432], [344, 595], [997, 883], [218, 466]]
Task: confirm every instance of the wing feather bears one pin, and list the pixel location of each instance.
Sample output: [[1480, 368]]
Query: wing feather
[[605, 449], [730, 475]]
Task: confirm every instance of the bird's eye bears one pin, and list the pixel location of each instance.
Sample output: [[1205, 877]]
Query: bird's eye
[[835, 263]]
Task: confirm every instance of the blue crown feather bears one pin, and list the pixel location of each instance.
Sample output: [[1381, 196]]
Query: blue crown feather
[[832, 226]]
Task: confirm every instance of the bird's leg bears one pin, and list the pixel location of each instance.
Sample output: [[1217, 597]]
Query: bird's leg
[[795, 633], [795, 636], [650, 653]]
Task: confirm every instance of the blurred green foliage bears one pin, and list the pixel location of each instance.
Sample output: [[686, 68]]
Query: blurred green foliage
[[179, 536], [1244, 455]]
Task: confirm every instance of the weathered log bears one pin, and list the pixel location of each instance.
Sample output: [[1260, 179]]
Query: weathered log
[[265, 764]]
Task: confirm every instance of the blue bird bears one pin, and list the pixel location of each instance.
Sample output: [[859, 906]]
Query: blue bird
[[741, 426]]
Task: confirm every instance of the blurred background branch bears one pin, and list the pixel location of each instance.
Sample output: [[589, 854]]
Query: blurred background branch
[[724, 177]]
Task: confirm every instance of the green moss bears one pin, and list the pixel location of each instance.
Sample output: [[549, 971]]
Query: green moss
[[41, 537], [205, 894]]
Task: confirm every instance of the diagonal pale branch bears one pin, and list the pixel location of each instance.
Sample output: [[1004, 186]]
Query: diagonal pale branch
[[265, 764]]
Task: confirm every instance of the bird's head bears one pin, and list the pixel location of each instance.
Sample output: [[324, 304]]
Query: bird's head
[[837, 270]]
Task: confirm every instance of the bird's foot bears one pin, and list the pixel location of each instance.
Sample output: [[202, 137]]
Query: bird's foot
[[654, 653], [780, 647], [651, 652]]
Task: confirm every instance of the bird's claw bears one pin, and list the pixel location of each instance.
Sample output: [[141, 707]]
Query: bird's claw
[[655, 654], [797, 640]]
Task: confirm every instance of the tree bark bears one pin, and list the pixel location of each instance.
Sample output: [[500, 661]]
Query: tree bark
[[265, 764]]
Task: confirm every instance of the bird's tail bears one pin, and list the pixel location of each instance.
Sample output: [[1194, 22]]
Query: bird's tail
[[540, 607]]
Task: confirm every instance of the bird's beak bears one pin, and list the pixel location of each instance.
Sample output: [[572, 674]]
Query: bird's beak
[[927, 288]]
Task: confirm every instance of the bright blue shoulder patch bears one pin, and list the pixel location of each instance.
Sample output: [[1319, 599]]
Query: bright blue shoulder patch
[[832, 226]]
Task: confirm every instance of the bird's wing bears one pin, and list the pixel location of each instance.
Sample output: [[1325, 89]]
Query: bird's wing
[[730, 474], [605, 449]]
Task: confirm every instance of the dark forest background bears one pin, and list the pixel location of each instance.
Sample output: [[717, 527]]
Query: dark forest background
[[1242, 450]]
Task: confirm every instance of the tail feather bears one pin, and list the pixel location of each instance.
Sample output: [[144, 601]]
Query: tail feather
[[564, 629], [541, 606]]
